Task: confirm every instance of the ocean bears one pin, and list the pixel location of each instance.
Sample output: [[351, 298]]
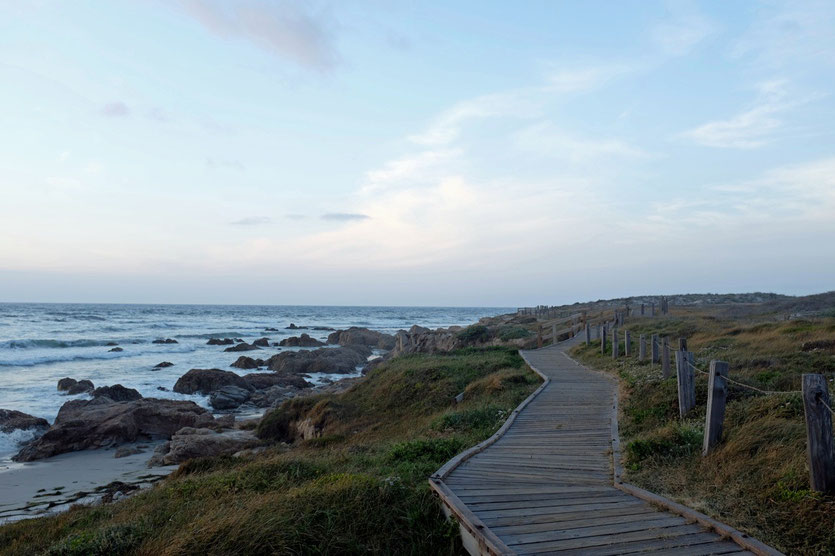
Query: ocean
[[41, 343]]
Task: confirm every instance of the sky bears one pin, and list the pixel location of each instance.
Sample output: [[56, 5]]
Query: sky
[[468, 153]]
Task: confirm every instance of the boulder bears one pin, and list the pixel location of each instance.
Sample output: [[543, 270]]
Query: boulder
[[66, 383], [80, 387], [229, 397], [163, 365], [242, 347], [206, 381], [301, 341], [109, 344], [270, 329], [11, 420], [117, 393], [294, 327], [165, 341], [273, 396], [262, 342], [220, 342], [101, 422], [190, 442], [323, 328], [322, 360], [245, 362], [262, 381], [116, 349], [363, 337]]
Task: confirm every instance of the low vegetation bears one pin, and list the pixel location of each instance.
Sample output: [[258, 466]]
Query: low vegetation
[[757, 479], [359, 487]]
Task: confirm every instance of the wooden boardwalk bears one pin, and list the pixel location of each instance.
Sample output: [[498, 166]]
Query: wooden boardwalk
[[545, 483]]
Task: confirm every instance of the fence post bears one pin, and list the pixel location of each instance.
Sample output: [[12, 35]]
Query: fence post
[[588, 334], [819, 444], [682, 344], [615, 343], [665, 357], [686, 385], [717, 393], [642, 309], [652, 309], [642, 348], [627, 343], [603, 340], [654, 349], [539, 337], [554, 334]]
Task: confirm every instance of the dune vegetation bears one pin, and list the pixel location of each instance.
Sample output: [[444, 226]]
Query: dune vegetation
[[360, 486], [757, 479]]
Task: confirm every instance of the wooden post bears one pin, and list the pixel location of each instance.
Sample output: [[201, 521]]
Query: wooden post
[[717, 393], [653, 348], [539, 337], [588, 334], [642, 348], [652, 309], [819, 444], [665, 357], [642, 309], [615, 343], [554, 334], [603, 340], [682, 344], [627, 343], [686, 384]]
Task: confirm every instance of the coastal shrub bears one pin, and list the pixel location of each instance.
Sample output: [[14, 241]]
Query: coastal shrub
[[476, 333], [507, 333], [117, 539], [434, 450], [487, 418], [670, 442]]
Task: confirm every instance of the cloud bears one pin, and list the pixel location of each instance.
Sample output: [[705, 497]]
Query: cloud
[[221, 163], [344, 216], [115, 109], [683, 30], [545, 139], [252, 221], [295, 216], [285, 28]]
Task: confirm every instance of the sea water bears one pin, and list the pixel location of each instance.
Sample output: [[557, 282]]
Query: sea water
[[41, 343]]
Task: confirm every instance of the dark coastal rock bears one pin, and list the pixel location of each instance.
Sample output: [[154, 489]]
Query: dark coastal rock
[[355, 336], [109, 344], [301, 341], [101, 422], [246, 362], [11, 420], [220, 342], [273, 396], [117, 393], [242, 347], [262, 342], [163, 365], [294, 327], [324, 328], [262, 381], [66, 383], [206, 381], [165, 341], [322, 360], [270, 329], [116, 349], [80, 387], [228, 397], [163, 389], [190, 442]]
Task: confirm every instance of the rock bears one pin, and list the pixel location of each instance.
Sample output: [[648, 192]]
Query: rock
[[322, 360], [190, 442], [80, 387], [225, 421], [228, 397], [250, 452], [220, 342], [159, 453], [262, 381], [242, 347], [126, 451], [163, 389], [109, 344], [363, 337], [66, 383], [423, 340], [116, 349], [165, 341], [294, 327], [301, 341], [270, 329], [326, 328], [262, 342], [117, 393], [206, 381], [814, 345], [273, 396], [101, 422], [163, 365], [245, 362], [11, 420]]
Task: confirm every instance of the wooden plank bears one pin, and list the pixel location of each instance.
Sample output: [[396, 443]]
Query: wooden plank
[[593, 531], [606, 540], [717, 392]]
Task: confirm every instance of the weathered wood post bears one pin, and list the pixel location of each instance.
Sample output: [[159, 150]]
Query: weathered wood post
[[717, 393], [603, 340], [539, 337], [615, 343], [642, 348], [588, 334], [686, 384], [597, 332], [654, 349], [652, 309], [554, 334], [665, 357], [682, 344], [819, 444], [627, 343], [642, 309]]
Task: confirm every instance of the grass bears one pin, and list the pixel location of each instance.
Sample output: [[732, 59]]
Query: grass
[[757, 479], [359, 487]]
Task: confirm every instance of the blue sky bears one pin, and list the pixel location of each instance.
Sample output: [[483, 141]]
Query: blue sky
[[414, 153]]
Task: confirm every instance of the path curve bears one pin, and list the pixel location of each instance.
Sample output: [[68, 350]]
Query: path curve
[[545, 482]]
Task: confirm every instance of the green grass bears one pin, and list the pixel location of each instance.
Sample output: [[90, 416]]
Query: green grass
[[757, 479], [360, 487]]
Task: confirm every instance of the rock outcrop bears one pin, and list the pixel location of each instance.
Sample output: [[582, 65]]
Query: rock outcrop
[[163, 365], [322, 360], [192, 442], [165, 341], [229, 397], [220, 342], [101, 422], [301, 341], [355, 336], [11, 420], [206, 381], [76, 386], [261, 381], [246, 362], [262, 342], [242, 347], [116, 349], [117, 393]]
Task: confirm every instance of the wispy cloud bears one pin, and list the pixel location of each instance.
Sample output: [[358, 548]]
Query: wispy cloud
[[115, 109], [344, 216], [252, 221], [682, 30], [546, 139], [286, 28]]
